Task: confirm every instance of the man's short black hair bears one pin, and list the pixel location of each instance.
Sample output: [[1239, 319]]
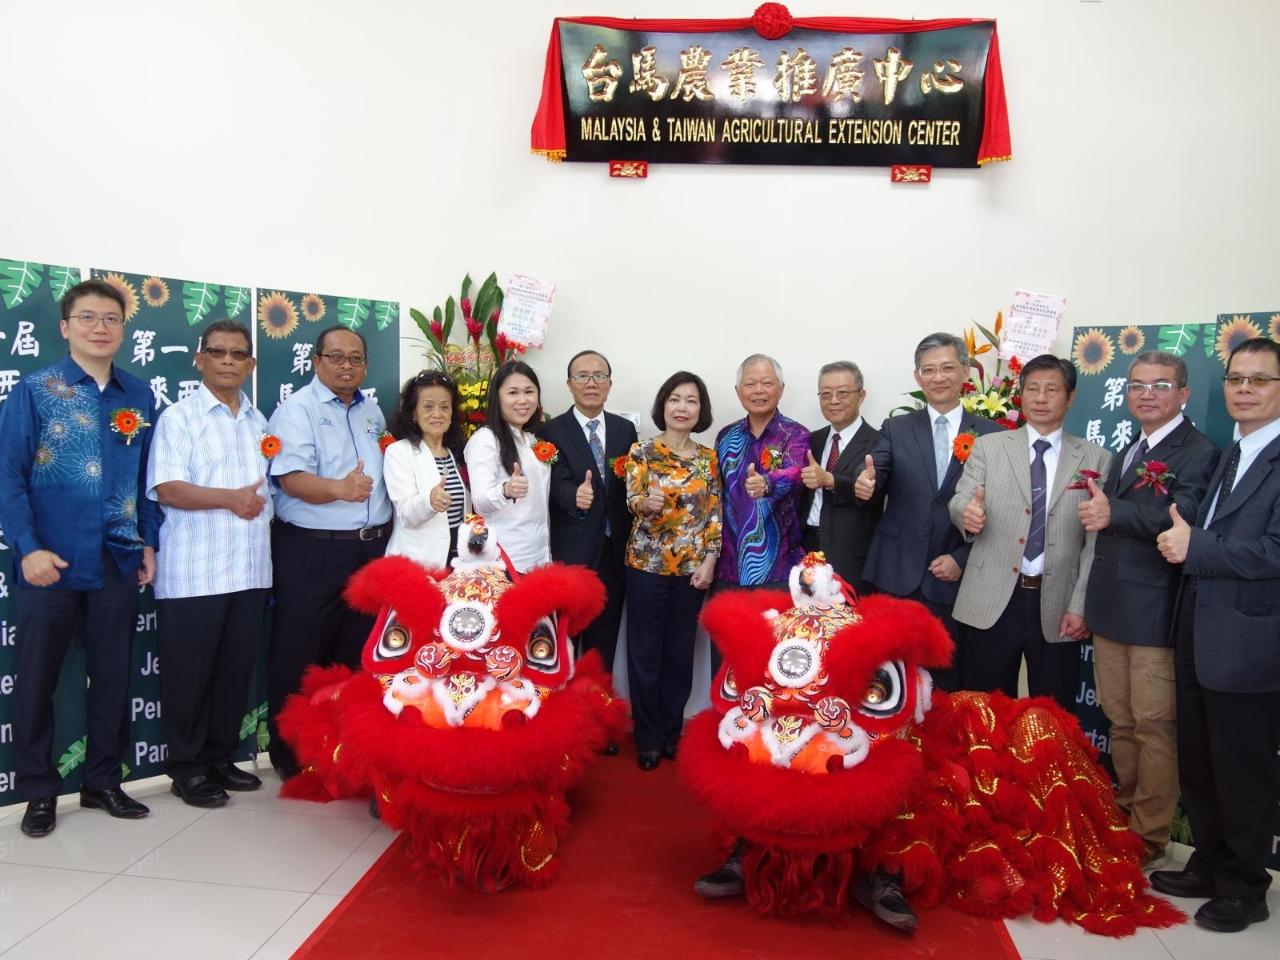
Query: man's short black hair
[[87, 288], [1256, 345], [588, 353], [364, 345], [227, 326], [1047, 361]]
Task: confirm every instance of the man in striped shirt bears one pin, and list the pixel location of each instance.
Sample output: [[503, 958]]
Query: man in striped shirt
[[208, 468]]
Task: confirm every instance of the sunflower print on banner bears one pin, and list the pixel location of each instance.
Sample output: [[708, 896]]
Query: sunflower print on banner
[[1092, 352], [1131, 340], [1233, 333], [127, 291], [313, 308], [155, 292], [277, 315]]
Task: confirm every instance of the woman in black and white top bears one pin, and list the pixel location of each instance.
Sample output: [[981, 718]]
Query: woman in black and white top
[[422, 472]]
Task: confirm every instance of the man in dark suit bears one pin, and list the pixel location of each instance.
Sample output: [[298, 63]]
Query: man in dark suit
[[1227, 655], [835, 522], [1129, 600], [916, 552], [590, 523]]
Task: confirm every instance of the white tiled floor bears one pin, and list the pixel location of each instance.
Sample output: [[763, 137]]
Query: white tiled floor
[[252, 880]]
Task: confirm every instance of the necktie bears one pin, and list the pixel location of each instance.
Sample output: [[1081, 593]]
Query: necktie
[[1136, 454], [834, 455], [597, 452], [941, 448], [1228, 478], [1039, 493]]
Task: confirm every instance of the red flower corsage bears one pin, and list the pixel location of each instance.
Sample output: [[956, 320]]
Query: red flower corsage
[[128, 422], [619, 467], [963, 445], [546, 452], [1156, 475], [385, 440], [771, 458], [270, 445], [1081, 480]]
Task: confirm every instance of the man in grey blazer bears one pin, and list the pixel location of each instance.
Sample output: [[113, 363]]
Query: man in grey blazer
[[1129, 602], [1227, 656], [1023, 589]]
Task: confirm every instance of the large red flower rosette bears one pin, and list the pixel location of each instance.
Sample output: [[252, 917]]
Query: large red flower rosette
[[772, 21]]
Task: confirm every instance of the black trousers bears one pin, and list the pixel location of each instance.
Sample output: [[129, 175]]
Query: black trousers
[[313, 624], [662, 621], [47, 620], [1227, 745], [993, 656], [602, 633], [208, 648], [952, 677]]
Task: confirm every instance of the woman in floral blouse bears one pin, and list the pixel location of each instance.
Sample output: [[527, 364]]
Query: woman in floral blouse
[[673, 488]]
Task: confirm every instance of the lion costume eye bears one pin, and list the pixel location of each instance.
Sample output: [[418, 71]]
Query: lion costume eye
[[394, 641], [729, 688], [542, 651], [886, 693]]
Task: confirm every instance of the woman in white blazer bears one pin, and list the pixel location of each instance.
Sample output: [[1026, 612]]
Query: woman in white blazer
[[422, 471], [510, 483]]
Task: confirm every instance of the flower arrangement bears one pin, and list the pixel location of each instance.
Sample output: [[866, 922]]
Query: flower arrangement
[[482, 350], [546, 452], [128, 422], [1156, 475], [270, 445]]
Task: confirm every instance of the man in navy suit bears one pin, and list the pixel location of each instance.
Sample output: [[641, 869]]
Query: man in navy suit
[[1131, 592], [590, 523], [1227, 655], [916, 552]]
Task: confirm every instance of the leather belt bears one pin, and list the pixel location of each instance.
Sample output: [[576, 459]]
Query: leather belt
[[364, 533], [1029, 583]]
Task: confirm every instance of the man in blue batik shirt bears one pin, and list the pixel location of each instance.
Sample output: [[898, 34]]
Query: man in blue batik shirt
[[73, 456]]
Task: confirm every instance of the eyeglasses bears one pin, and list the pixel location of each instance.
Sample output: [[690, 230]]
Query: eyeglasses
[[433, 376], [590, 378], [947, 370], [90, 320], [826, 396], [1160, 386], [1242, 380], [221, 353], [342, 360]]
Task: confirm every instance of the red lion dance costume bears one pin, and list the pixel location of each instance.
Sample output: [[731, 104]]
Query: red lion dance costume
[[829, 752], [470, 719]]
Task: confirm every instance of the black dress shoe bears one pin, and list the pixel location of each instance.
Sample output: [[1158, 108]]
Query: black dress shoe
[[1181, 883], [669, 752], [648, 759], [610, 749], [1230, 914], [199, 791], [725, 880], [115, 801], [41, 817], [230, 777]]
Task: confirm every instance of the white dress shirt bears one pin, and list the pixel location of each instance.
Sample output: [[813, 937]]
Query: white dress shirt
[[846, 437], [1152, 439], [522, 526], [953, 421], [420, 533], [1035, 566]]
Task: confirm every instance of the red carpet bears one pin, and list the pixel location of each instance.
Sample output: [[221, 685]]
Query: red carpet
[[625, 890]]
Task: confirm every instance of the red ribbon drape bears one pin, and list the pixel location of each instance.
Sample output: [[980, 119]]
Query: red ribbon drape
[[548, 138]]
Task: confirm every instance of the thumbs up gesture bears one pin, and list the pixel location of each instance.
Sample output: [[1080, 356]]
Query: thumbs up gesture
[[440, 499], [586, 493], [755, 484], [1095, 513], [356, 486], [247, 502], [864, 488], [1173, 543], [814, 477], [655, 500], [975, 511], [517, 486]]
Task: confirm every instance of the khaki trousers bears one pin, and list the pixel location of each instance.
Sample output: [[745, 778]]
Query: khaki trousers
[[1136, 691]]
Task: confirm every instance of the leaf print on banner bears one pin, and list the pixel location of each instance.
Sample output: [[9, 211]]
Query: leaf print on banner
[[385, 313], [1178, 338], [73, 757], [235, 299], [352, 313], [199, 299], [62, 279], [17, 279], [249, 725]]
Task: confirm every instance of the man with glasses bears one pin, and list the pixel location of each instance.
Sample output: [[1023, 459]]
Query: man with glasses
[[214, 568], [1227, 656], [332, 517], [835, 521], [73, 452], [916, 553], [1129, 600], [590, 522]]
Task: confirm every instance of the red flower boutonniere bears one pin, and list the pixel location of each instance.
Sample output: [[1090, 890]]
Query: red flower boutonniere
[[270, 445], [963, 445], [128, 422], [546, 452], [1081, 480], [771, 458], [1156, 475], [619, 467], [385, 440]]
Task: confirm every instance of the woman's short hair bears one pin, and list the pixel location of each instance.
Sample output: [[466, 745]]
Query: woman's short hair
[[403, 426], [679, 379]]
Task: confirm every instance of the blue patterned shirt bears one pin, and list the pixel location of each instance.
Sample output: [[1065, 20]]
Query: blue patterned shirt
[[68, 482]]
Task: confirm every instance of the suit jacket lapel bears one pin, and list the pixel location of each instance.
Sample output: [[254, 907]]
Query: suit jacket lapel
[[968, 424], [817, 441], [1161, 451], [1015, 449], [1069, 460], [579, 441], [1247, 483], [924, 437], [858, 447]]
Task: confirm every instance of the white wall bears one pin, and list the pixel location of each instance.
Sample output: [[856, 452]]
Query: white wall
[[381, 149]]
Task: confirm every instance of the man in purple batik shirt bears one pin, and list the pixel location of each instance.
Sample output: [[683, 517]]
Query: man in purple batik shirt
[[761, 457]]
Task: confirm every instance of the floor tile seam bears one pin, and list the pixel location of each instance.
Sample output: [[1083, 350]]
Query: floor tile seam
[[262, 946], [372, 830], [106, 878], [214, 883]]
